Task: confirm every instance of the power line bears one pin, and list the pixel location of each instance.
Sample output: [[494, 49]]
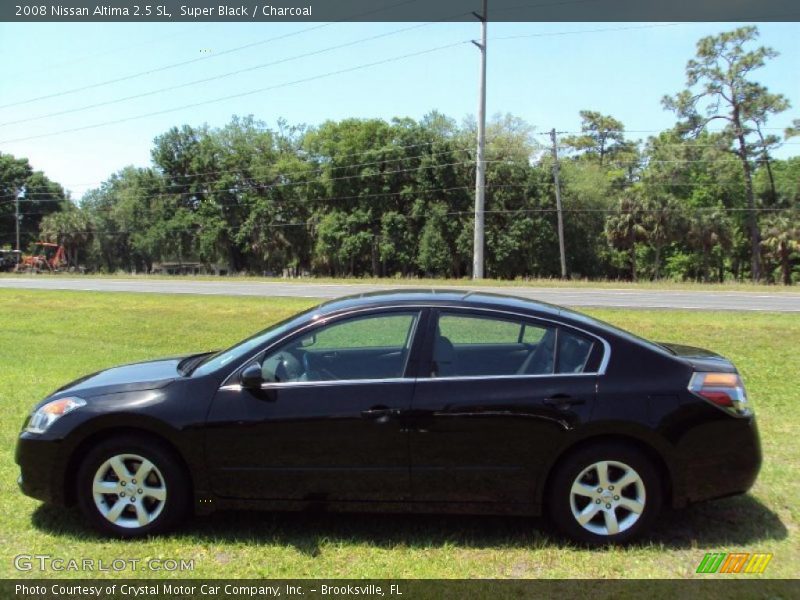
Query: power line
[[623, 131], [683, 210], [219, 76], [250, 45], [391, 148], [324, 169], [316, 156], [688, 145], [201, 58], [162, 68], [445, 190], [192, 29], [312, 220], [383, 149], [238, 203], [312, 200], [242, 94], [247, 181], [321, 179]]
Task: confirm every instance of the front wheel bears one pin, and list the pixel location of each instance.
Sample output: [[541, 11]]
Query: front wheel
[[131, 487], [605, 494]]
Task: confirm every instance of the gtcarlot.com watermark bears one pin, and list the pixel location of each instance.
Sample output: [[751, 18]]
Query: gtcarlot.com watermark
[[50, 563]]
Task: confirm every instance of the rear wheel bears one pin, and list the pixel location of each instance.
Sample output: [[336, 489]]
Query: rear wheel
[[605, 493], [130, 487]]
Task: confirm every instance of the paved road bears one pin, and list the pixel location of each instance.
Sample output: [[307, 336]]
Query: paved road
[[750, 301]]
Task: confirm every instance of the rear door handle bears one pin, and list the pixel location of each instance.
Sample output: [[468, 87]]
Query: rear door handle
[[380, 414], [563, 401]]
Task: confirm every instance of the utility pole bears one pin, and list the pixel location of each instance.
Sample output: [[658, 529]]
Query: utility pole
[[480, 167], [558, 205], [16, 212]]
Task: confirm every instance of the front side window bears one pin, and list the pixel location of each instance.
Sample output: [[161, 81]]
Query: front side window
[[475, 345], [369, 347]]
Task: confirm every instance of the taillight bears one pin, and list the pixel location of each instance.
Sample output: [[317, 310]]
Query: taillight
[[725, 390]]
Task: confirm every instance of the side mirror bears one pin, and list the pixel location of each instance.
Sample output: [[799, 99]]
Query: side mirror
[[308, 341], [252, 378]]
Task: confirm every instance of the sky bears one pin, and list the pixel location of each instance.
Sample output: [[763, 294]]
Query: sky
[[544, 73]]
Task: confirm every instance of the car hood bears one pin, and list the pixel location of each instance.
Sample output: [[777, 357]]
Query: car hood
[[126, 378], [699, 358]]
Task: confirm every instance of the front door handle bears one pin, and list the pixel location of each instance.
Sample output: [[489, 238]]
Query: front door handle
[[563, 401]]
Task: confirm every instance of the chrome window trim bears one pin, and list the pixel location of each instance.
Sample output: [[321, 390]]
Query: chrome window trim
[[317, 320], [514, 376], [325, 383], [331, 382]]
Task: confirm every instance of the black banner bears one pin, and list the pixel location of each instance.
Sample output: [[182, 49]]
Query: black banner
[[398, 10]]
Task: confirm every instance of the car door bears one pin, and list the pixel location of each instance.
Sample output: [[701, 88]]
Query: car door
[[497, 393], [324, 425]]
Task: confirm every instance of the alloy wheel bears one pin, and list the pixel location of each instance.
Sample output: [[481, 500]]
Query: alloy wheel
[[129, 491], [607, 498]]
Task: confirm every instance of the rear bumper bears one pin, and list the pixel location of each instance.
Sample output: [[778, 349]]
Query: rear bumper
[[725, 463], [41, 463]]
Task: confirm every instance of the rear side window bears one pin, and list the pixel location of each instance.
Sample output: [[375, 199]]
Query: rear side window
[[469, 329], [476, 345], [468, 345]]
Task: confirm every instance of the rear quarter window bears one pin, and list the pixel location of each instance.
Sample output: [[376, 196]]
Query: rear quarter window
[[573, 352]]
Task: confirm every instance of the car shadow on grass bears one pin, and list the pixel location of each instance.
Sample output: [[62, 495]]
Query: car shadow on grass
[[738, 521]]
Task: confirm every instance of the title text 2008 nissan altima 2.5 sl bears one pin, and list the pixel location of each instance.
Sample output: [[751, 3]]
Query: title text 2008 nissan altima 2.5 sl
[[403, 401]]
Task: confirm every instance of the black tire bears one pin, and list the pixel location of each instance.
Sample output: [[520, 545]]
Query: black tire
[[561, 502], [168, 474]]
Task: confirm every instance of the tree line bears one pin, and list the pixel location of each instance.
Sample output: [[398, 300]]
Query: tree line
[[369, 197]]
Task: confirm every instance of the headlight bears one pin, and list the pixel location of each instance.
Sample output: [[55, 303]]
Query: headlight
[[49, 413]]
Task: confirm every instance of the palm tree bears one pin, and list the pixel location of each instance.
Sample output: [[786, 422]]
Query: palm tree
[[708, 230], [662, 222], [625, 229], [781, 238]]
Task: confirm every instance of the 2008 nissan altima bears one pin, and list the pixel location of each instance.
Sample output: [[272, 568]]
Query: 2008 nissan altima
[[403, 401]]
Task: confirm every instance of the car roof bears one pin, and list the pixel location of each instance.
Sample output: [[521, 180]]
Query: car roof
[[448, 297], [436, 297]]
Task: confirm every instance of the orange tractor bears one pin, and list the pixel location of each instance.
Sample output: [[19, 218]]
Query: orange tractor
[[49, 258]]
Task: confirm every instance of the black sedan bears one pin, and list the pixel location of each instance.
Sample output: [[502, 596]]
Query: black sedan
[[403, 401]]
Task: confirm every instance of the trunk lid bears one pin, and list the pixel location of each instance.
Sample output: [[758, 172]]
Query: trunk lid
[[700, 359]]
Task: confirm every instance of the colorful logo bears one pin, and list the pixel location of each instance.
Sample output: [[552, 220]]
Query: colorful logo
[[734, 562]]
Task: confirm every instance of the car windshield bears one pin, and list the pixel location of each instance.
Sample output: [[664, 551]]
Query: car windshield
[[216, 361]]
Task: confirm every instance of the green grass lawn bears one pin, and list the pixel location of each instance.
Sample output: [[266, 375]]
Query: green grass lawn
[[49, 338]]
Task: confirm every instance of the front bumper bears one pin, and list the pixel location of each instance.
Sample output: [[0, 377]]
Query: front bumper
[[42, 463]]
